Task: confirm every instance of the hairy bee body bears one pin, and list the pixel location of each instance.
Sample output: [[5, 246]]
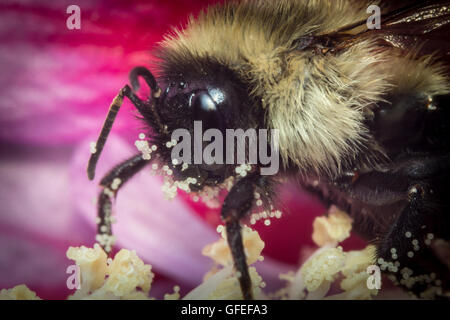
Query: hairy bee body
[[318, 102], [362, 116]]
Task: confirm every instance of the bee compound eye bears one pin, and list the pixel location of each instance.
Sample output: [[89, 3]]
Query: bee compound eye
[[206, 110]]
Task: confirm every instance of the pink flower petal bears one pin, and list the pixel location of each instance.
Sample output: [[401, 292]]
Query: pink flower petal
[[34, 191], [37, 220], [56, 82], [33, 259]]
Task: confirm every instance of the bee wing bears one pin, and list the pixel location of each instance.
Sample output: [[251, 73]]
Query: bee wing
[[419, 25], [425, 23], [423, 14]]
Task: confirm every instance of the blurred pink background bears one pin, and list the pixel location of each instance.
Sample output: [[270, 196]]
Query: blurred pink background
[[55, 87]]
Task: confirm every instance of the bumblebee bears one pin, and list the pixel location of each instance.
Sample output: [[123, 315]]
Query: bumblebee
[[362, 114]]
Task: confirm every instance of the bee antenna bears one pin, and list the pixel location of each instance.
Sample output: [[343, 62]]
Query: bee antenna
[[148, 77], [156, 93]]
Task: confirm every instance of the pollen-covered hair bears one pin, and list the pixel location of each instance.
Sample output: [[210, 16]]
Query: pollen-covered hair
[[317, 102]]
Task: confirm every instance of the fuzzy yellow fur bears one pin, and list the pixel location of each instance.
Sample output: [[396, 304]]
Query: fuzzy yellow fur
[[318, 102]]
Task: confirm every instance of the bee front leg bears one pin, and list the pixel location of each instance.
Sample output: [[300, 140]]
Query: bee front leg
[[235, 207], [111, 184], [234, 238]]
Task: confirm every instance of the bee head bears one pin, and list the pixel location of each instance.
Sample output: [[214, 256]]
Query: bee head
[[199, 101]]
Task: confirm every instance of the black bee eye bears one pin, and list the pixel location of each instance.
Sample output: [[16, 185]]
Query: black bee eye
[[205, 109]]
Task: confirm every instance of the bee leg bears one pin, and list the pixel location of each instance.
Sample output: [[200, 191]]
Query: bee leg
[[111, 184], [236, 205], [406, 250], [235, 243]]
